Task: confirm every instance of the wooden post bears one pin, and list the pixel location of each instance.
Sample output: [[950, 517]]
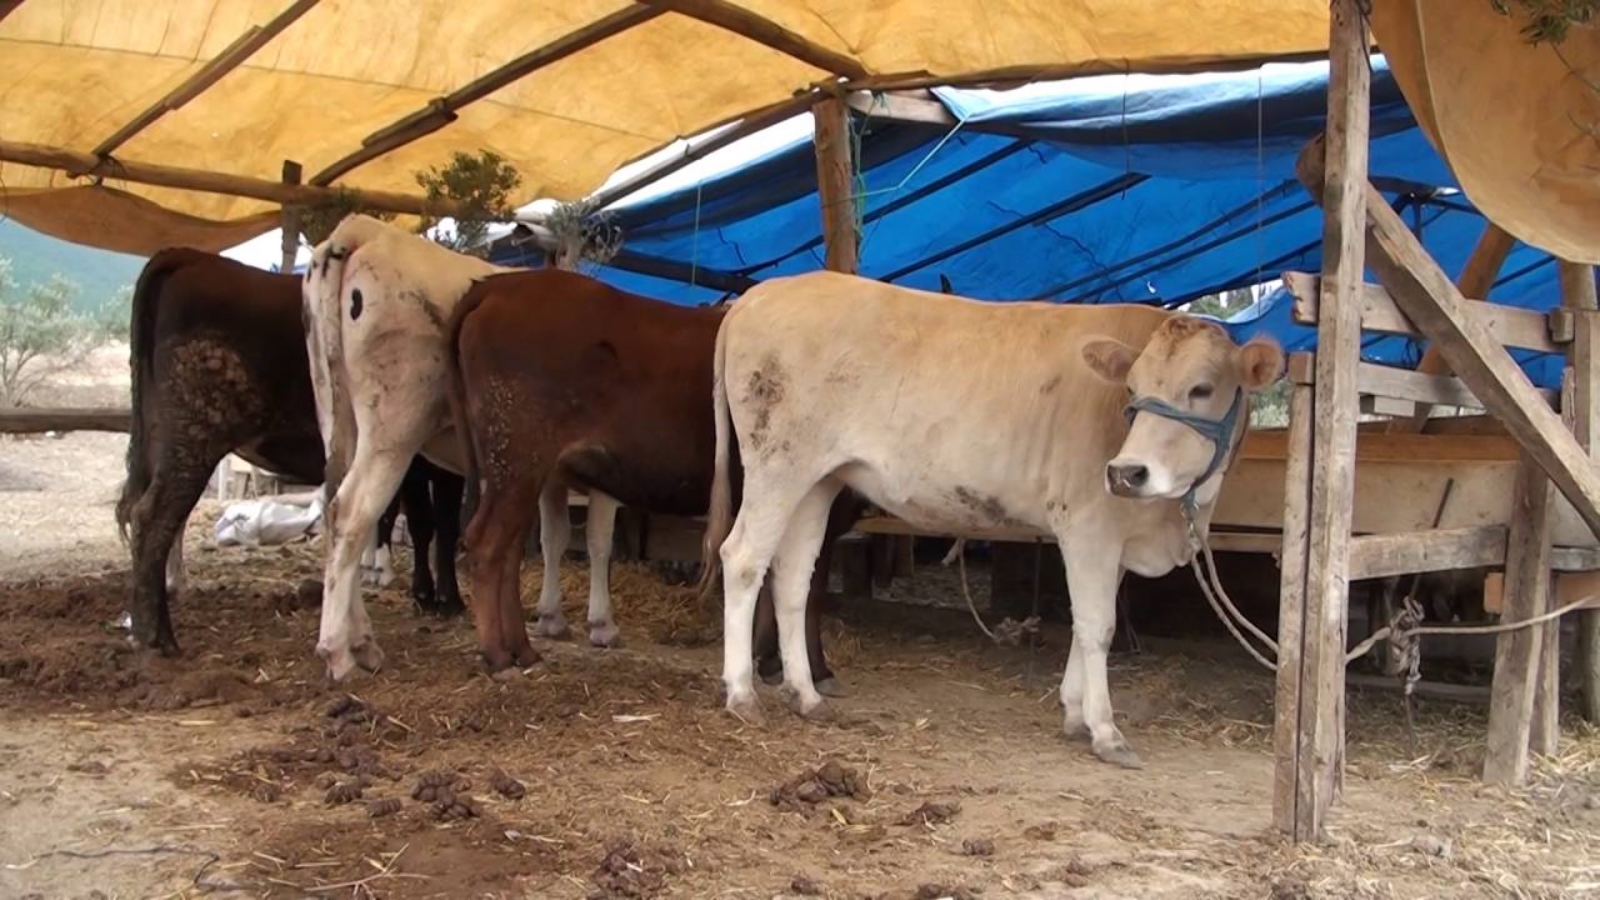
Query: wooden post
[[1476, 280], [1314, 682], [1516, 655], [290, 223], [1291, 612], [1578, 293], [835, 184]]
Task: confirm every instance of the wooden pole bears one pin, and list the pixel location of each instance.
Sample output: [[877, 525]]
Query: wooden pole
[[752, 26], [1578, 294], [290, 224], [1476, 280], [82, 165], [836, 184], [1316, 683], [41, 420]]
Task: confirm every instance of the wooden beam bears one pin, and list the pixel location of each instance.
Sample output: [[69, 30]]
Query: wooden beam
[[82, 165], [1516, 655], [756, 121], [1522, 328], [1429, 299], [7, 7], [1383, 555], [836, 184], [1319, 743], [209, 74], [1476, 280], [41, 420], [919, 107], [1375, 380], [441, 111], [764, 31], [1583, 358]]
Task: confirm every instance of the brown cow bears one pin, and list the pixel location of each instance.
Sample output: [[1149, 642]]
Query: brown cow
[[560, 381], [218, 365]]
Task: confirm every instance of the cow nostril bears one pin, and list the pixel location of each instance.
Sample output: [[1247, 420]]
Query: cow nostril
[[1129, 475]]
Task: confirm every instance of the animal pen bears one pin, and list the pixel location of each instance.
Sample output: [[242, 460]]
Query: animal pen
[[1334, 499]]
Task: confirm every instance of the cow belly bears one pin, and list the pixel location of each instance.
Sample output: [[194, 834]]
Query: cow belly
[[444, 451], [946, 501], [654, 483]]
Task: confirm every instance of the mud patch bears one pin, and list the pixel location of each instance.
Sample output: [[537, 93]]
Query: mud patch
[[764, 391]]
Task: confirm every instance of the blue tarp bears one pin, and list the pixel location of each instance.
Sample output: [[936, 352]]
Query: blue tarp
[[1154, 189]]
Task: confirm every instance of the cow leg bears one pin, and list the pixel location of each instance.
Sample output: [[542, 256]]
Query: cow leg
[[769, 665], [175, 574], [157, 524], [1093, 571], [419, 524], [1072, 723], [746, 556], [828, 684], [555, 534], [513, 629], [603, 631], [791, 584], [447, 490], [345, 638], [377, 561]]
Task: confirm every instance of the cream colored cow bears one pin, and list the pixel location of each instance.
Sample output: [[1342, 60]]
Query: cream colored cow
[[958, 416]]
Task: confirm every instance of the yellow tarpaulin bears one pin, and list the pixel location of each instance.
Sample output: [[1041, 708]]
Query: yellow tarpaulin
[[1518, 124], [74, 72]]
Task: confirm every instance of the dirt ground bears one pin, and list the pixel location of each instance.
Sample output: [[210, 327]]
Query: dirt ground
[[236, 770]]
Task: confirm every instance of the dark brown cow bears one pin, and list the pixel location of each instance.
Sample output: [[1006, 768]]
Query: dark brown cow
[[218, 364], [560, 381]]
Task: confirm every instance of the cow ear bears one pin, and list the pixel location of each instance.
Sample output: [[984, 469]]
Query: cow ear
[[1260, 363], [1110, 359]]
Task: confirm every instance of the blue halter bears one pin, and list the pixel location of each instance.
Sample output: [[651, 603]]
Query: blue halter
[[1218, 431]]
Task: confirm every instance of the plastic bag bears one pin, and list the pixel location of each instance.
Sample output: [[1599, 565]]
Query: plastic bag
[[270, 520]]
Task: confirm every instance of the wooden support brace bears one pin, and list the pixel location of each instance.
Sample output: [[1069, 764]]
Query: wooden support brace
[[735, 18], [1291, 613]]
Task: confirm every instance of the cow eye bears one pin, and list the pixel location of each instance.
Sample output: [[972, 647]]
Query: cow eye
[[1200, 391]]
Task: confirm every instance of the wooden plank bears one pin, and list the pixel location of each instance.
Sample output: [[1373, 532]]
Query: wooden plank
[[209, 74], [919, 106], [1380, 447], [1566, 587], [835, 184], [762, 30], [1291, 613], [83, 165], [1383, 555], [1583, 358], [1510, 325], [1344, 197], [41, 420], [1457, 693], [441, 111], [290, 223], [1516, 655], [1473, 352], [1476, 280]]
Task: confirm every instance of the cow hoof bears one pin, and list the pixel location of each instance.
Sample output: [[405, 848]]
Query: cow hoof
[[368, 656], [525, 656], [449, 607], [747, 710], [341, 663], [1118, 753], [832, 687], [552, 627], [605, 634], [817, 710]]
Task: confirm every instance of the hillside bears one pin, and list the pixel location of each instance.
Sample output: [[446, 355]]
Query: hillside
[[35, 257]]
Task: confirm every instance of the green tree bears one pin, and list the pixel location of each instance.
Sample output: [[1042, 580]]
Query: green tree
[[40, 334], [1550, 21], [480, 187]]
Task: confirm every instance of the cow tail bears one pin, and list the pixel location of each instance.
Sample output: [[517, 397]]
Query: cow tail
[[720, 512], [470, 452], [141, 372], [325, 343]]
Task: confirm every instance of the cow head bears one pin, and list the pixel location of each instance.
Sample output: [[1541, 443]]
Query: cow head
[[1187, 405]]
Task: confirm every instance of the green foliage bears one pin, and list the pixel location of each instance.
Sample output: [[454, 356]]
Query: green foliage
[[112, 319], [320, 221], [1221, 305], [481, 187], [42, 334], [1550, 21], [584, 233], [35, 256]]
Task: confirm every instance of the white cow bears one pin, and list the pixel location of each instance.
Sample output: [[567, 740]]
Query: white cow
[[958, 416], [379, 301]]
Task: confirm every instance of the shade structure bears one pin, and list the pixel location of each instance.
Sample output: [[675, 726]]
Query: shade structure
[[364, 93], [1154, 189]]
